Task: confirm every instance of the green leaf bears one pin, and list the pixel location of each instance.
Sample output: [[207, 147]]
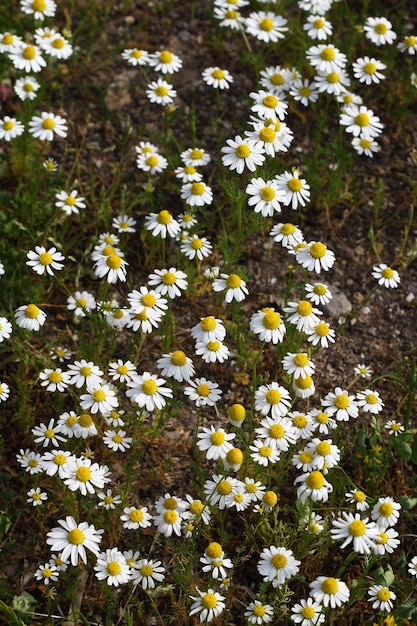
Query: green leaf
[[407, 609], [403, 449], [407, 503]]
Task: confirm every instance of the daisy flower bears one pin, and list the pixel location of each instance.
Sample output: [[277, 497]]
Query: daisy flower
[[203, 392], [214, 442], [30, 461], [27, 57], [5, 329], [162, 224], [217, 488], [302, 423], [277, 564], [236, 414], [326, 58], [147, 573], [304, 91], [325, 454], [365, 145], [360, 532], [362, 370], [42, 260], [168, 522], [38, 8], [267, 323], [176, 365], [381, 597], [298, 364], [135, 56], [57, 46], [121, 370], [56, 461], [264, 454], [240, 153], [329, 591], [266, 26], [315, 525], [273, 135], [361, 121], [265, 197], [394, 427], [161, 92], [169, 282], [111, 566], [333, 83], [386, 541], [4, 391], [69, 203], [315, 257], [72, 539], [368, 70], [8, 42], [212, 351], [196, 246], [83, 475], [48, 433], [308, 613], [36, 496], [277, 432], [232, 461], [54, 379], [29, 317], [111, 266], [358, 498], [408, 44], [195, 157], [288, 235], [214, 561], [108, 500], [273, 399], [148, 391], [313, 485], [84, 426], [58, 353], [412, 566], [10, 128], [149, 301], [99, 398], [318, 293], [297, 191], [321, 333], [230, 17], [197, 193], [386, 512], [258, 613], [341, 405], [124, 224], [165, 61], [116, 440], [209, 604], [379, 31], [369, 401], [386, 276], [85, 373], [303, 315], [234, 285], [47, 573], [82, 302], [276, 79], [188, 174], [268, 106], [217, 77], [136, 517], [48, 124], [209, 329], [317, 27], [152, 163]]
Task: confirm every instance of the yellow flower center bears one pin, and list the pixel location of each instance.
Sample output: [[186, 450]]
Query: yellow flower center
[[294, 184], [136, 515], [165, 56], [117, 438], [365, 143], [39, 5], [8, 125], [384, 594], [273, 396], [359, 496], [36, 496], [306, 457], [209, 601], [267, 134], [381, 28], [234, 456], [7, 39], [318, 23], [196, 243], [169, 278], [196, 154], [317, 250], [48, 123], [146, 570], [170, 517], [196, 507], [113, 568], [301, 359], [28, 87], [136, 54], [369, 68], [46, 572], [70, 201], [266, 24], [387, 272], [161, 90], [265, 451], [217, 438], [330, 586], [267, 194], [304, 308], [29, 53], [33, 463], [32, 311], [279, 561], [214, 550], [197, 189], [270, 498], [218, 73], [108, 499], [122, 369], [287, 229], [270, 101], [410, 41], [164, 217], [178, 358], [55, 377], [83, 474], [242, 151], [99, 395], [170, 504], [203, 389], [362, 119], [49, 433], [323, 448], [237, 412], [271, 320], [357, 528], [58, 43], [276, 431], [213, 346], [231, 14], [208, 323], [152, 161], [342, 401], [304, 91], [108, 250], [299, 421], [76, 536], [322, 329], [277, 80], [259, 610], [333, 78], [382, 538], [224, 487], [70, 421], [149, 387], [303, 382], [315, 480], [60, 459], [327, 54], [371, 398], [148, 299], [386, 509]]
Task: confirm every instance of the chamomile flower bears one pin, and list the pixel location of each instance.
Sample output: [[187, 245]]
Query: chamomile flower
[[107, 500], [188, 174], [386, 512], [315, 256], [273, 135], [214, 442], [111, 566], [99, 398], [369, 401], [116, 440], [319, 7], [57, 46], [82, 303], [176, 365], [168, 522], [268, 106], [47, 573], [315, 524], [85, 373], [203, 392], [149, 301], [42, 260], [365, 145], [379, 31], [147, 573], [217, 77], [258, 613], [197, 193], [362, 370], [229, 17], [169, 282], [111, 266], [209, 329], [69, 203], [214, 562], [83, 475], [36, 497], [8, 42], [386, 276], [54, 379], [195, 157], [48, 433], [59, 353], [72, 539], [30, 461], [209, 604], [361, 121], [165, 61], [313, 485], [381, 597], [265, 197], [195, 246], [30, 317], [304, 91], [47, 125], [326, 58], [56, 462], [368, 70], [386, 541], [240, 153], [298, 364], [297, 191], [308, 613], [4, 391], [266, 26], [212, 351], [162, 224], [121, 370], [412, 566], [341, 405], [318, 293], [84, 426], [38, 8], [152, 163], [267, 323], [124, 224], [276, 432], [27, 57], [135, 56], [272, 399], [6, 329], [353, 529], [408, 44], [329, 591], [394, 427], [264, 454], [302, 422], [321, 333], [10, 128], [161, 92], [148, 391], [277, 565], [136, 517], [303, 315], [333, 83], [317, 27], [358, 498], [234, 285], [288, 235], [276, 79]]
